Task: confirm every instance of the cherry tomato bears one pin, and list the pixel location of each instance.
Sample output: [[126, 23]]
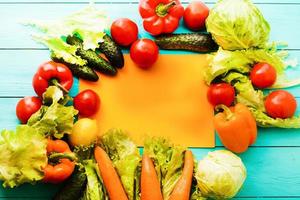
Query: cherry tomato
[[195, 15], [87, 102], [144, 53], [124, 31], [221, 93], [26, 107], [263, 75], [280, 104]]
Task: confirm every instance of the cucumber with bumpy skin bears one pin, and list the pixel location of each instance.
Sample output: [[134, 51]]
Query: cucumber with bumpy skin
[[93, 59], [83, 72], [112, 52], [198, 42]]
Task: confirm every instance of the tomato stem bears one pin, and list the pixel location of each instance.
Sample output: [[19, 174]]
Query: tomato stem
[[226, 110], [55, 82], [163, 9]]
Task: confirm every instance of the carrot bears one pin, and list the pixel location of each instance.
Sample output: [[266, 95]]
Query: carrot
[[109, 175], [182, 188], [150, 186]]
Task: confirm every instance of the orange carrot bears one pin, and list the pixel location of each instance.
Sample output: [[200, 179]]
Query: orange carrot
[[182, 188], [150, 186], [109, 175]]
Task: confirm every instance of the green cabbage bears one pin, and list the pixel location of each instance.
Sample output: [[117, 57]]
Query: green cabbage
[[126, 159], [237, 24], [89, 24], [168, 160], [220, 174], [22, 156]]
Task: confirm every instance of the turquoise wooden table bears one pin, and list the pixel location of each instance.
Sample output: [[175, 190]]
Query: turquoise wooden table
[[273, 163]]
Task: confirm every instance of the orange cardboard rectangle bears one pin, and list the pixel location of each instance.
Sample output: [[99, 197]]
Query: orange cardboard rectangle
[[167, 100]]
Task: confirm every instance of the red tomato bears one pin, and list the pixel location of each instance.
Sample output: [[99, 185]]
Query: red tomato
[[195, 15], [26, 107], [280, 104], [263, 75], [87, 102], [221, 93], [124, 31], [144, 53]]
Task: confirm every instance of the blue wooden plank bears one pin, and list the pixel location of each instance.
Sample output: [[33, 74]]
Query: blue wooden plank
[[17, 36], [272, 172]]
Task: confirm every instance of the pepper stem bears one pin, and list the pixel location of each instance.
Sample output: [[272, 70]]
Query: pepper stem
[[163, 9], [55, 157], [57, 84], [226, 110]]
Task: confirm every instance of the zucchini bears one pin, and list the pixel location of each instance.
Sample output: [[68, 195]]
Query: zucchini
[[112, 52], [197, 42], [83, 72], [93, 59]]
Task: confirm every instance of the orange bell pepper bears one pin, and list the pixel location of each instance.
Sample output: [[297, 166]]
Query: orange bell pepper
[[236, 127]]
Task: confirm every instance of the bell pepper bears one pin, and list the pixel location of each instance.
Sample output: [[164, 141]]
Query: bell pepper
[[160, 16], [236, 127], [60, 165], [52, 73]]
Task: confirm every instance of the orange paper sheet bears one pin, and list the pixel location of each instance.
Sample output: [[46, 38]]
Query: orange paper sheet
[[167, 100]]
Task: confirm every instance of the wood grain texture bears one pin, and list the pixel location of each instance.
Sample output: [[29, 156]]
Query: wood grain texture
[[273, 162], [17, 36]]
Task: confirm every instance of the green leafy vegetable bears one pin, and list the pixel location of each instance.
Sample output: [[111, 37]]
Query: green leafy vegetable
[[89, 24], [94, 188], [220, 174], [242, 60], [55, 119], [126, 158], [237, 24], [168, 160], [246, 94], [22, 156]]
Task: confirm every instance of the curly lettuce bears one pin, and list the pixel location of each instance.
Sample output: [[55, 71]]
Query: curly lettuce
[[89, 24], [126, 159], [56, 119], [168, 160], [22, 156]]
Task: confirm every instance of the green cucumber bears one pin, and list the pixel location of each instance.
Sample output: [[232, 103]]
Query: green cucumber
[[112, 52], [197, 42], [83, 72], [93, 59]]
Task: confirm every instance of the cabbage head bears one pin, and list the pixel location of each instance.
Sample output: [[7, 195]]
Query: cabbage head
[[237, 24], [220, 175]]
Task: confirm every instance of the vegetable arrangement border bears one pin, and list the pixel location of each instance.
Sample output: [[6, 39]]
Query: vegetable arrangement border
[[242, 64]]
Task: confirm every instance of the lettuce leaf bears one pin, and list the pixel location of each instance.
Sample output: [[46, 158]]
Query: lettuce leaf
[[242, 60], [254, 100], [94, 188], [263, 120], [55, 119], [168, 160], [22, 156], [126, 159], [89, 24], [246, 93], [237, 24]]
